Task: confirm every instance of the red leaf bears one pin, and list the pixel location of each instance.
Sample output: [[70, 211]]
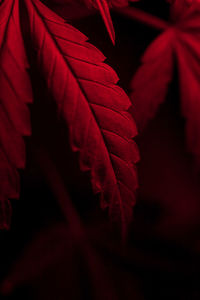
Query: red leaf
[[155, 75], [188, 57], [94, 107], [15, 93], [180, 7], [105, 13], [181, 41], [103, 6]]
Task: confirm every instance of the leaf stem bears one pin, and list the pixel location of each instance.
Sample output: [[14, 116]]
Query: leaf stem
[[143, 17]]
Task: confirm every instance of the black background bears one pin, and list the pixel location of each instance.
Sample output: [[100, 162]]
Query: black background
[[161, 257]]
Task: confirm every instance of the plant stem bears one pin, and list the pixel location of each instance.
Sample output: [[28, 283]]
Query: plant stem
[[143, 17]]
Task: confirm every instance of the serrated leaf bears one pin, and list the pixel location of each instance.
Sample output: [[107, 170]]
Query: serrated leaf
[[15, 93], [182, 42], [94, 107], [188, 60]]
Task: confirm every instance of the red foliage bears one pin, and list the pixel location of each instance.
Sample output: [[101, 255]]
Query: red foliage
[[15, 94], [180, 46], [76, 256], [103, 6], [85, 90]]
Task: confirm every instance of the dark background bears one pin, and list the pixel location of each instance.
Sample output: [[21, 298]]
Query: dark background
[[161, 258]]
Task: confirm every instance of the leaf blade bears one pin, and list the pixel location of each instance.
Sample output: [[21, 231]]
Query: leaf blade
[[81, 95], [154, 74], [15, 93]]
